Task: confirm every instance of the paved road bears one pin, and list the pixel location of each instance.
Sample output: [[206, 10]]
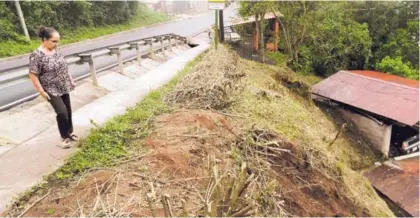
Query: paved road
[[186, 27]]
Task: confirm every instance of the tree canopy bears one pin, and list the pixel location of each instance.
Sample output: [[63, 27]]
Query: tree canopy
[[63, 14], [324, 37]]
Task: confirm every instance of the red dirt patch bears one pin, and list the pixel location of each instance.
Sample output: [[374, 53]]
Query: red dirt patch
[[177, 165], [62, 203], [186, 137], [180, 145]]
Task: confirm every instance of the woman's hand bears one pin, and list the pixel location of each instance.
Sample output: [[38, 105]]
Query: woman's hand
[[45, 96], [72, 83]]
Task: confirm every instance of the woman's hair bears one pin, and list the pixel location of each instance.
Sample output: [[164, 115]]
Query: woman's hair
[[45, 32]]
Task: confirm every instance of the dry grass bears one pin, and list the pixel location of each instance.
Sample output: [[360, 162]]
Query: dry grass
[[213, 84], [274, 98], [285, 150], [292, 115]]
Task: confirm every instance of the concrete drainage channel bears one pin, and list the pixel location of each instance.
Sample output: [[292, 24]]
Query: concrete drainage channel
[[28, 119]]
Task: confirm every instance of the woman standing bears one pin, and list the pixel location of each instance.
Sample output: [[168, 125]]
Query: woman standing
[[48, 71]]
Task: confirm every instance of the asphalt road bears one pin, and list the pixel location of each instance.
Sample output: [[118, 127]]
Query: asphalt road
[[186, 27]]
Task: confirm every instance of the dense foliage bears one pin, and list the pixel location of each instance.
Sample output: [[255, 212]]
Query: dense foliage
[[324, 37], [63, 15]]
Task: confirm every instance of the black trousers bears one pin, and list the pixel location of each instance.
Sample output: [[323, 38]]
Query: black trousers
[[62, 108]]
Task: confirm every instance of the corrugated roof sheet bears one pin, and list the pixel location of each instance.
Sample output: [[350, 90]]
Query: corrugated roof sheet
[[388, 77], [400, 184], [393, 100], [251, 19]]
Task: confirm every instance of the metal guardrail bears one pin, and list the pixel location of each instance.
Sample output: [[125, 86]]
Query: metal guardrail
[[17, 74]]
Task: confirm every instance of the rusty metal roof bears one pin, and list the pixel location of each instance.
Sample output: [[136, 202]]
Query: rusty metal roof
[[401, 185], [251, 19], [388, 77], [393, 100]]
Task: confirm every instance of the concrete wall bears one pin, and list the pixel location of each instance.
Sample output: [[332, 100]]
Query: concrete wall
[[379, 135]]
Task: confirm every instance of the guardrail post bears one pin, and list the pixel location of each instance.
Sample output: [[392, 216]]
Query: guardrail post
[[92, 70], [152, 49], [176, 41], [160, 39], [117, 51], [184, 40], [136, 45], [170, 42]]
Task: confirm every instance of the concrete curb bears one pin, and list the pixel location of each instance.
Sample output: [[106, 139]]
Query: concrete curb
[[39, 156]]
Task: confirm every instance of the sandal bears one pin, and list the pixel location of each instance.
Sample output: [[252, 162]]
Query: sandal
[[65, 143], [74, 137]]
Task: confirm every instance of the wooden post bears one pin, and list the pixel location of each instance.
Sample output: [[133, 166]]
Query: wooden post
[[255, 37], [276, 35]]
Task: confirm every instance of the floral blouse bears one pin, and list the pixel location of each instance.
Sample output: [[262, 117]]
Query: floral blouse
[[52, 72]]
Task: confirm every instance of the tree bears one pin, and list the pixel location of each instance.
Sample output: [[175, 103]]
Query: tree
[[336, 41], [258, 9], [397, 67], [294, 23], [385, 19], [7, 23], [403, 44]]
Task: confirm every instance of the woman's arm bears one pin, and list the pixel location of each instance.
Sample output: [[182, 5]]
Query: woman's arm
[[38, 86], [72, 82], [34, 70]]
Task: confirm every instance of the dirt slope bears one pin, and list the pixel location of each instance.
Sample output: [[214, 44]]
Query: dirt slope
[[236, 142]]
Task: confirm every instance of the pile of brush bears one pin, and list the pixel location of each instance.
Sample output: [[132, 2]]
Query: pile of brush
[[213, 84]]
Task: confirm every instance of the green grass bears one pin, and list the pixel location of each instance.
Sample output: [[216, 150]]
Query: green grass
[[115, 141], [143, 18], [281, 59], [278, 57]]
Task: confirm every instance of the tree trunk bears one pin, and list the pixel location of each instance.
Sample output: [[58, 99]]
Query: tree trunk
[[262, 46], [22, 20]]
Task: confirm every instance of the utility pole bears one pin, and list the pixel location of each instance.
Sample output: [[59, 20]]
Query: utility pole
[[222, 27], [216, 31], [22, 20]]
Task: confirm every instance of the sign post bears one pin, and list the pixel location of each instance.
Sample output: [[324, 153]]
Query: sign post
[[216, 5], [216, 29], [221, 27]]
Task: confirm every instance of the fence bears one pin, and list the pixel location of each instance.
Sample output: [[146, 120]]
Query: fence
[[246, 50]]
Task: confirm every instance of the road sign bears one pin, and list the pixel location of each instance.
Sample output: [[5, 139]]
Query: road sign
[[217, 4]]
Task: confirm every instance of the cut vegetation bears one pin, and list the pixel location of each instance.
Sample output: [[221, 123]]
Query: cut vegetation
[[228, 137]]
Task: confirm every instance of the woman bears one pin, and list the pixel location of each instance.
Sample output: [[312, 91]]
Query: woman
[[48, 71]]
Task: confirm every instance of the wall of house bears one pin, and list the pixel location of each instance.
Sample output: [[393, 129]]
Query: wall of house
[[379, 135]]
